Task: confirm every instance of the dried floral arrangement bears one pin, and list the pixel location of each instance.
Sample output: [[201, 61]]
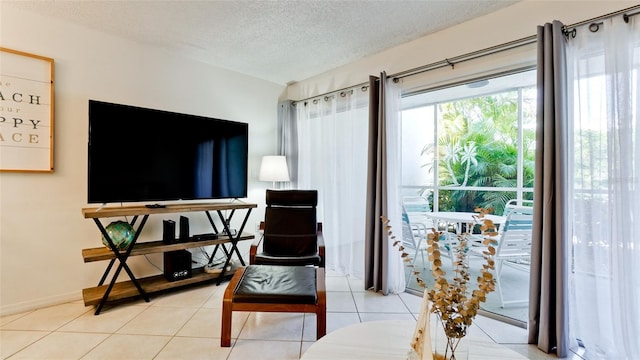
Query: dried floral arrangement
[[454, 307]]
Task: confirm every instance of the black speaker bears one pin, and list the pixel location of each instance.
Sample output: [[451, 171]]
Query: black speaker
[[184, 229], [177, 265], [168, 231]]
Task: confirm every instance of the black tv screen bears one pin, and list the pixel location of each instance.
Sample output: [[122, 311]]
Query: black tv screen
[[141, 155]]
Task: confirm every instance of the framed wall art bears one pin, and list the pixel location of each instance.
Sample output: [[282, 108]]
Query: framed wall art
[[26, 112]]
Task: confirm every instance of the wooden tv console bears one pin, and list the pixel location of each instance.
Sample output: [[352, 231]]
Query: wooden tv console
[[114, 290]]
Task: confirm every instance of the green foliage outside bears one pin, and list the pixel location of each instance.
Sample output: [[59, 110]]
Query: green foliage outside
[[478, 146]]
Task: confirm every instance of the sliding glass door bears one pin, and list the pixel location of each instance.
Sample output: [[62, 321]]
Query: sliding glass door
[[472, 145]]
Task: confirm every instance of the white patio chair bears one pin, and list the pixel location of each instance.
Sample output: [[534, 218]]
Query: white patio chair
[[513, 246], [417, 207], [414, 237], [513, 203]]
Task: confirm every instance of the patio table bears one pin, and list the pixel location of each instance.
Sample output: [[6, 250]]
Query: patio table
[[460, 218]]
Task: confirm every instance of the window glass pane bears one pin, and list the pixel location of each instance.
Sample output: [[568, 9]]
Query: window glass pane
[[529, 136], [418, 156], [485, 138], [478, 141]]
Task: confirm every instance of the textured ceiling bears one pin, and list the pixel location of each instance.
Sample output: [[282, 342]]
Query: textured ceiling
[[276, 40]]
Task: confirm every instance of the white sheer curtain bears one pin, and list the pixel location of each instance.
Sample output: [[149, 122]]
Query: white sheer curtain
[[396, 273], [605, 189], [332, 158]]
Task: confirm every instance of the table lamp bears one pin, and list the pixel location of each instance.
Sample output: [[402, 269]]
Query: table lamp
[[274, 168]]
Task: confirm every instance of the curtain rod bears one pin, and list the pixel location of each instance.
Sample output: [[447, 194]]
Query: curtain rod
[[444, 63], [631, 11], [626, 14], [466, 57], [362, 86]]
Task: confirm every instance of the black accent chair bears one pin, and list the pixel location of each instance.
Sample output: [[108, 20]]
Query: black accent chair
[[291, 233], [288, 275]]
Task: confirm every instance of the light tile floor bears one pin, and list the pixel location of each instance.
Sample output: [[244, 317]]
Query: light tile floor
[[186, 325]]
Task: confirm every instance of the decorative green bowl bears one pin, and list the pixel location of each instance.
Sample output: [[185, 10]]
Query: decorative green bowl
[[121, 233]]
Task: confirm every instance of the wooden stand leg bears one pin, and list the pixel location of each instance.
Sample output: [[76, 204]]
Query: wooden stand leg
[[321, 310], [122, 258], [227, 308], [225, 336]]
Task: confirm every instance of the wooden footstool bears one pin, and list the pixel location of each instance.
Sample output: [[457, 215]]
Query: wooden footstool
[[274, 288]]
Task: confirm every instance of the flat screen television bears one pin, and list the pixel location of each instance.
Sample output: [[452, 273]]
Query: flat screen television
[[145, 155]]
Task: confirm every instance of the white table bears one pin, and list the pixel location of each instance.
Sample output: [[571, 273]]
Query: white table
[[462, 217], [459, 218], [390, 340]]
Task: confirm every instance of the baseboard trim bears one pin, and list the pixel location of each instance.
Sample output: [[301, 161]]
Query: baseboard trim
[[36, 304]]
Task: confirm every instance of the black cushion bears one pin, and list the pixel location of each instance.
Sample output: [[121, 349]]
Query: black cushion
[[290, 232], [266, 259], [290, 225], [277, 284], [292, 197]]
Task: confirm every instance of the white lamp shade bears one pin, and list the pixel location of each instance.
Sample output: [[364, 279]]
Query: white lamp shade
[[274, 168]]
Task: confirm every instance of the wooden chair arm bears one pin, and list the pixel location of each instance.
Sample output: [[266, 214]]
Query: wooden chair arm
[[321, 247], [253, 250]]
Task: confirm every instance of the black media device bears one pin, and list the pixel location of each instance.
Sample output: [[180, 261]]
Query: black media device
[[177, 265], [168, 231], [177, 156], [206, 236], [184, 229]]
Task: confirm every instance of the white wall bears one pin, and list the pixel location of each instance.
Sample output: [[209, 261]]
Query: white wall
[[42, 230], [512, 23]]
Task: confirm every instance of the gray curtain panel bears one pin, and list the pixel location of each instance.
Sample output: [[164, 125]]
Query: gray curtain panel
[[375, 248], [287, 142], [548, 296]]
